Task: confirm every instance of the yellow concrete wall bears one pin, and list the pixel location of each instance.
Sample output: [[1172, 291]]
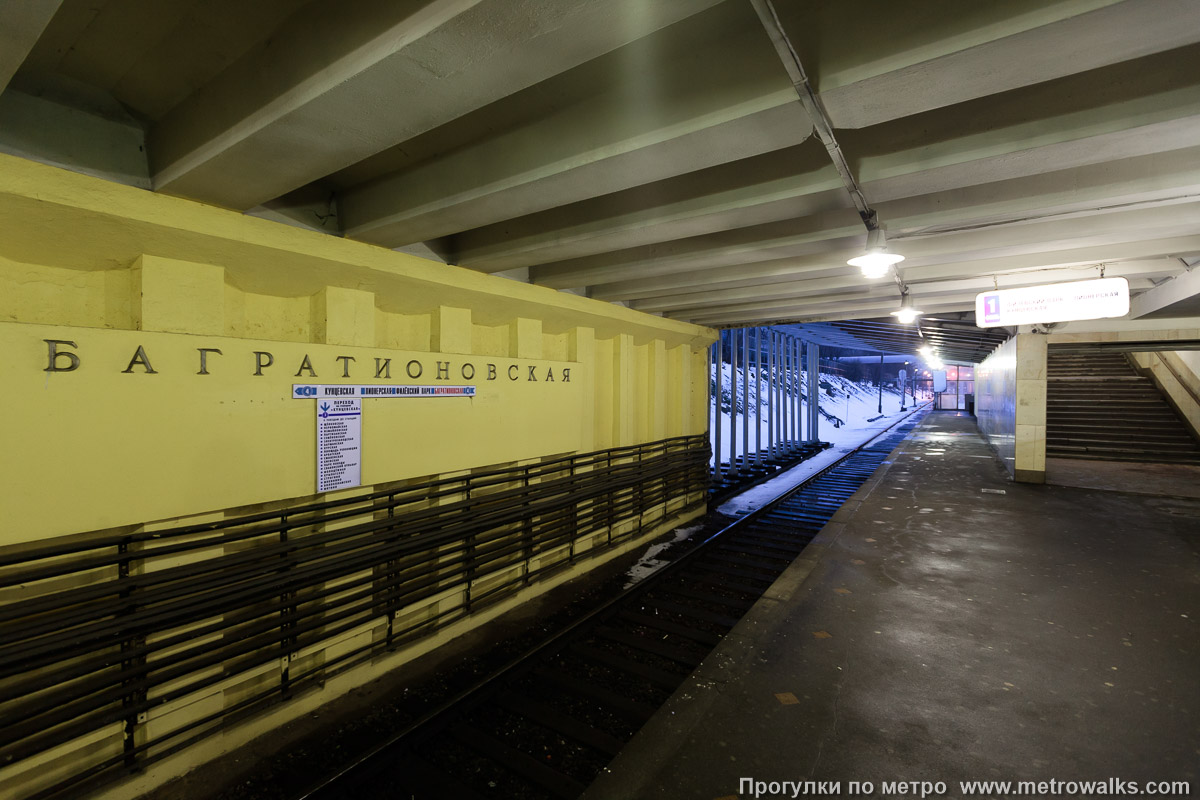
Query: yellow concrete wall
[[114, 268], [111, 296]]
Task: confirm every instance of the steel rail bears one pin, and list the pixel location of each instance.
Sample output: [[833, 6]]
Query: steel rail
[[475, 692]]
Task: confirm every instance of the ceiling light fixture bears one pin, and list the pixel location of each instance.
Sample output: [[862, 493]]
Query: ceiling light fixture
[[907, 313], [877, 260]]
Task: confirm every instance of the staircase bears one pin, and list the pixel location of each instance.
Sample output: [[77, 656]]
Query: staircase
[[1099, 407]]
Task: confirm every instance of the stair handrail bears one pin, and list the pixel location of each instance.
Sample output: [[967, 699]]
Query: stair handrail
[[1175, 373]]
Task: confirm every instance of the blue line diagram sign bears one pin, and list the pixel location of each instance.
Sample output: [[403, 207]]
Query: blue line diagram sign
[[339, 443], [309, 391]]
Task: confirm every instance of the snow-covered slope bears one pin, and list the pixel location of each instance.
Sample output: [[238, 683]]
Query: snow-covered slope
[[846, 408]]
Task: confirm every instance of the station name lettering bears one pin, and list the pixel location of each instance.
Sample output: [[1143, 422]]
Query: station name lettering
[[65, 356]]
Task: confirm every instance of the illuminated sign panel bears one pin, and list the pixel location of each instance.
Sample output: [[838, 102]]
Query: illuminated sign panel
[[1057, 302]]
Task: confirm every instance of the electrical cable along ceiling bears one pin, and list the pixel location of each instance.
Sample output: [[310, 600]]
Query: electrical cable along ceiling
[[712, 161]]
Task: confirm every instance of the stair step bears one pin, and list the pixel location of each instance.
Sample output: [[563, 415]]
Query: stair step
[[1099, 407], [1124, 444]]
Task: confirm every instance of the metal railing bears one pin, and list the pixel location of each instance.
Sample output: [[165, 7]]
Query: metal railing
[[109, 629]]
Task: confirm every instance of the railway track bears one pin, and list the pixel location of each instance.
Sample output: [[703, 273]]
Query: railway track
[[548, 723]]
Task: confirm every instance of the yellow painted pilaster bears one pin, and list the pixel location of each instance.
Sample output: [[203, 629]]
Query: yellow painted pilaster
[[174, 296], [581, 348], [659, 390], [603, 394], [451, 330], [525, 338], [643, 393], [697, 389], [678, 411], [344, 316], [623, 381]]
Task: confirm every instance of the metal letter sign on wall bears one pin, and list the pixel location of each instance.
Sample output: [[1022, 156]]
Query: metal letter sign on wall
[[1058, 302]]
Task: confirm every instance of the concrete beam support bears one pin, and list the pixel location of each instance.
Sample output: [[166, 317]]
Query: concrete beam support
[[109, 145], [1150, 108], [918, 280], [1054, 40], [720, 100], [1059, 205], [317, 78], [23, 26], [791, 271], [865, 310], [1179, 297]]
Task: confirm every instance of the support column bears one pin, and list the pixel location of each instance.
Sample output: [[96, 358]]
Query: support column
[[715, 405], [745, 398], [733, 393], [771, 393], [758, 396], [814, 388], [799, 432], [879, 381], [1030, 462], [801, 408], [785, 415]]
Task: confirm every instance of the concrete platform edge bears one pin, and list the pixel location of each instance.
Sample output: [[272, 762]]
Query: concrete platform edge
[[637, 764]]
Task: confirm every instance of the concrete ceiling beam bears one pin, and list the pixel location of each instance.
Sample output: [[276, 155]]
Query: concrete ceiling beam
[[879, 297], [993, 210], [919, 280], [985, 61], [1149, 107], [784, 313], [787, 270], [721, 101], [325, 80], [20, 28], [1178, 297]]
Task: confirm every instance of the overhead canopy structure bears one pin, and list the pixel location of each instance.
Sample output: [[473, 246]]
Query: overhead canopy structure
[[652, 152], [953, 336]]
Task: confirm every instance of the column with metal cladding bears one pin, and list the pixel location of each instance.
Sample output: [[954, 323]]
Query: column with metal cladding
[[717, 349], [745, 397], [733, 393], [783, 442], [758, 396], [814, 388], [796, 399], [772, 401]]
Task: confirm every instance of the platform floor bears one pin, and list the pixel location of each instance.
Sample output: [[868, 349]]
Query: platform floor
[[951, 625]]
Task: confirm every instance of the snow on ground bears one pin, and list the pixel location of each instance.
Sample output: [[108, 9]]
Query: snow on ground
[[851, 404], [649, 563], [845, 408], [760, 495]]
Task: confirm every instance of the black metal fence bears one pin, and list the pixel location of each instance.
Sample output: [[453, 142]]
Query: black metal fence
[[106, 633]]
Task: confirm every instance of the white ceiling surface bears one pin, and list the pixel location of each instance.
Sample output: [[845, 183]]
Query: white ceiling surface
[[652, 152]]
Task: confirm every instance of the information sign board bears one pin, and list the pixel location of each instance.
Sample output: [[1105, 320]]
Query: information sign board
[[1056, 302], [339, 443]]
